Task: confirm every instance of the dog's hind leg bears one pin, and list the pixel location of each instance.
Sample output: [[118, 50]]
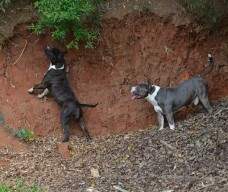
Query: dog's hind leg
[[203, 97], [83, 127], [205, 101], [170, 119], [65, 118], [80, 119]]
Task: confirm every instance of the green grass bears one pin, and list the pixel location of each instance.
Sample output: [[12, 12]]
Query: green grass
[[4, 188], [25, 134], [20, 187]]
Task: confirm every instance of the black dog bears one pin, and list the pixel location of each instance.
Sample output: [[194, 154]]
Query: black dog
[[56, 83]]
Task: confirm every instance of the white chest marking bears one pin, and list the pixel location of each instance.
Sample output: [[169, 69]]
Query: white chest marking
[[54, 67], [151, 98]]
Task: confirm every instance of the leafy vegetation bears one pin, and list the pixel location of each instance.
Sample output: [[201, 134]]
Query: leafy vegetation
[[4, 188], [206, 12], [25, 135], [76, 18], [4, 4], [20, 187]]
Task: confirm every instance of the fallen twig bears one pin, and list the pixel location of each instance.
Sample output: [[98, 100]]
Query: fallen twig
[[168, 145], [118, 188], [23, 50], [220, 111], [206, 186]]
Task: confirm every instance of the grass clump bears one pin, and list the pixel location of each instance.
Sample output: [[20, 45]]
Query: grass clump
[[25, 134], [4, 188], [20, 187]]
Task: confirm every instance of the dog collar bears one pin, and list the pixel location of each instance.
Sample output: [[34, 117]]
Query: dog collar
[[151, 98], [54, 67], [154, 94]]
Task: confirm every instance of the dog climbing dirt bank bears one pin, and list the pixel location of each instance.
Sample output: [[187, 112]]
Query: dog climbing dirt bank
[[55, 83], [131, 49]]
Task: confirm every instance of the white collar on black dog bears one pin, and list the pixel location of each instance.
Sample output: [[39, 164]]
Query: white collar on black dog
[[55, 68]]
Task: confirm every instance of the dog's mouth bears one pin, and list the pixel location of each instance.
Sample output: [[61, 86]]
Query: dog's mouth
[[136, 93], [136, 96]]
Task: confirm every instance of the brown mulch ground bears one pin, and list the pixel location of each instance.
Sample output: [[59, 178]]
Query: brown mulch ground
[[192, 158]]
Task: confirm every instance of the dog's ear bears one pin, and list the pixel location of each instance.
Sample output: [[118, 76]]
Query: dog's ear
[[151, 89], [148, 82]]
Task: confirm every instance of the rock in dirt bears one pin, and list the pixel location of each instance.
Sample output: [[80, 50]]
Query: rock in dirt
[[119, 189], [91, 189], [95, 172], [64, 150]]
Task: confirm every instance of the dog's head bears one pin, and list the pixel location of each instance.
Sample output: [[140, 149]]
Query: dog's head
[[54, 55], [141, 91]]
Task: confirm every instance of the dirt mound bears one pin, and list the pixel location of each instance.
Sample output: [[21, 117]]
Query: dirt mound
[[191, 158], [138, 47]]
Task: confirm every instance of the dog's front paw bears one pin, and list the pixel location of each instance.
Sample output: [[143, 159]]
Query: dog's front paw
[[172, 128], [160, 128], [31, 90], [40, 96]]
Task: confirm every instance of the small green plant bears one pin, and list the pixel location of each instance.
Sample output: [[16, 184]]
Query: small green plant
[[4, 4], [4, 188], [64, 18], [206, 12], [25, 135], [20, 187]]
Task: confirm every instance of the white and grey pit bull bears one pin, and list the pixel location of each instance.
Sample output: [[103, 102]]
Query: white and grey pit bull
[[167, 101]]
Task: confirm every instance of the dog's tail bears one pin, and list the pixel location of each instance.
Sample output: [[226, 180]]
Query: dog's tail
[[209, 68], [88, 105]]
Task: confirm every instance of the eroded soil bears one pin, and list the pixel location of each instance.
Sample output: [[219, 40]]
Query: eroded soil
[[141, 46]]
